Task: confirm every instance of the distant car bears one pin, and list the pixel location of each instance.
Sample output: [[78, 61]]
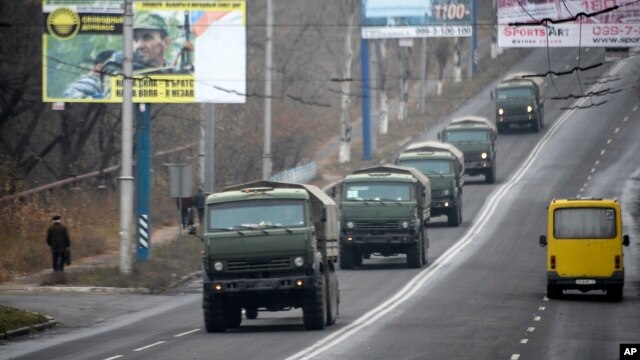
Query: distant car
[[584, 247]]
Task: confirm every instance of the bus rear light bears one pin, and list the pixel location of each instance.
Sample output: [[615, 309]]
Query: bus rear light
[[553, 262], [617, 261]]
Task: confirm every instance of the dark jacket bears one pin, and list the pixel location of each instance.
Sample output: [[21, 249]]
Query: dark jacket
[[58, 237]]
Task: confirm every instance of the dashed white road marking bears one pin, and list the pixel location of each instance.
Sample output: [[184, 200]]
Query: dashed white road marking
[[148, 346], [515, 356], [531, 329], [537, 318], [602, 152], [541, 308], [593, 170], [524, 341], [114, 357], [545, 299], [617, 130], [186, 333], [608, 141], [635, 108], [625, 119], [597, 162], [588, 178]]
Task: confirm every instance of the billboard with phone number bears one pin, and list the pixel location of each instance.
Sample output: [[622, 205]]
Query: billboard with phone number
[[605, 23], [383, 19]]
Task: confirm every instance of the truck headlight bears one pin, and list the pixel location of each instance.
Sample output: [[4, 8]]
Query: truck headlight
[[484, 155], [350, 224], [529, 108], [298, 261], [500, 111], [218, 266], [405, 224]]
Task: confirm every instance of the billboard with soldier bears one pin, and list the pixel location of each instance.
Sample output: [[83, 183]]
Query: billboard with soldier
[[183, 52]]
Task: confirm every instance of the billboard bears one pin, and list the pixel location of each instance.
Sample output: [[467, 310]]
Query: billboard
[[383, 19], [183, 51], [605, 23]]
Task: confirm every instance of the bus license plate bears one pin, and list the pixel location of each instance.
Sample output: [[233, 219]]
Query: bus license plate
[[585, 281]]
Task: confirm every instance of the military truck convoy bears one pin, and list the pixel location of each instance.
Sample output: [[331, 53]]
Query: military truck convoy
[[384, 211], [270, 246], [443, 164], [519, 101], [476, 137]]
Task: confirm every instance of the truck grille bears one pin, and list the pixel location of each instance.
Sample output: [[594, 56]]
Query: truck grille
[[377, 226], [259, 264], [437, 193]]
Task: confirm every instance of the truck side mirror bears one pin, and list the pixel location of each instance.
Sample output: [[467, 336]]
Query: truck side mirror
[[543, 241], [333, 191], [625, 240]]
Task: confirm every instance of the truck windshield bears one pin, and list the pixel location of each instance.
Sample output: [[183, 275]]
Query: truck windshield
[[380, 191], [256, 214], [584, 223], [429, 167], [517, 92], [467, 135]]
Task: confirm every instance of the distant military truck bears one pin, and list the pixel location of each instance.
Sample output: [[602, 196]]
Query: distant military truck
[[383, 211], [443, 164], [519, 101], [270, 246], [476, 137]]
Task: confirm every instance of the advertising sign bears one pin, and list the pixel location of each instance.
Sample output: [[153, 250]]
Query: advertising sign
[[382, 19], [184, 51], [603, 23]]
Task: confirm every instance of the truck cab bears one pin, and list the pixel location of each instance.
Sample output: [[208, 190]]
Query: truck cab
[[443, 164], [476, 137], [270, 246], [584, 247], [519, 101], [383, 211]]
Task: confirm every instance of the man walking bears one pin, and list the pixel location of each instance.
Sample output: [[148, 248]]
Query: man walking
[[59, 242]]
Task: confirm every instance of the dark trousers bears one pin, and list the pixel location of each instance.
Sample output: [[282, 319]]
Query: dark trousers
[[200, 215], [58, 260]]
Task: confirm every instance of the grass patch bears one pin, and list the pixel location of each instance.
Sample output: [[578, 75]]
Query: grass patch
[[12, 319], [169, 263]]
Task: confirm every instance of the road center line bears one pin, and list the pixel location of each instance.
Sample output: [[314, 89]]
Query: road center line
[[148, 346], [485, 214], [186, 333], [114, 357]]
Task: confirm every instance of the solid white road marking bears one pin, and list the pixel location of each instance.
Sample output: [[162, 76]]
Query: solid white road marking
[[148, 346], [186, 333], [485, 215]]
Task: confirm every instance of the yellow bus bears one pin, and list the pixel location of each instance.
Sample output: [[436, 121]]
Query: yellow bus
[[584, 247]]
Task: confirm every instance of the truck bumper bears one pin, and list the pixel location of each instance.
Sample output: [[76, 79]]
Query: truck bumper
[[477, 167], [379, 239], [516, 119], [442, 206], [236, 286], [585, 283]]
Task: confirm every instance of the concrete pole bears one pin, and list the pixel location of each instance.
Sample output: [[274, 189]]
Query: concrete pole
[[266, 156], [423, 76], [209, 150], [126, 176]]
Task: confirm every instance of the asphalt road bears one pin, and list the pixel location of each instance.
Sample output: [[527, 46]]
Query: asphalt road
[[482, 295]]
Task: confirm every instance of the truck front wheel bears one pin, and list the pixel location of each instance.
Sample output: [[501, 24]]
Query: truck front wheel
[[346, 257], [414, 255], [314, 310], [214, 316]]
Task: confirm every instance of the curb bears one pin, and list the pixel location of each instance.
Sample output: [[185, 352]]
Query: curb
[[29, 329], [81, 289]]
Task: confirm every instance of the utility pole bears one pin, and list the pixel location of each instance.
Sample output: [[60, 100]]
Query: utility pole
[[209, 169], [126, 177], [266, 156]]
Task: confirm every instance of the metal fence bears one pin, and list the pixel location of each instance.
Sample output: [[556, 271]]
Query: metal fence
[[299, 174]]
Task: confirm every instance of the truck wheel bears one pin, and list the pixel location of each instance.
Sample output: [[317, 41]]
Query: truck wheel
[[333, 300], [614, 293], [490, 175], [357, 257], [536, 126], [214, 317], [314, 310], [346, 257], [234, 317], [501, 129], [414, 255], [251, 313], [454, 218], [425, 258], [554, 291]]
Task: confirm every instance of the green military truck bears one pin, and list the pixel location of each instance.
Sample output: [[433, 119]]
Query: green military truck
[[384, 210], [270, 246], [476, 136], [443, 164], [519, 101]]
